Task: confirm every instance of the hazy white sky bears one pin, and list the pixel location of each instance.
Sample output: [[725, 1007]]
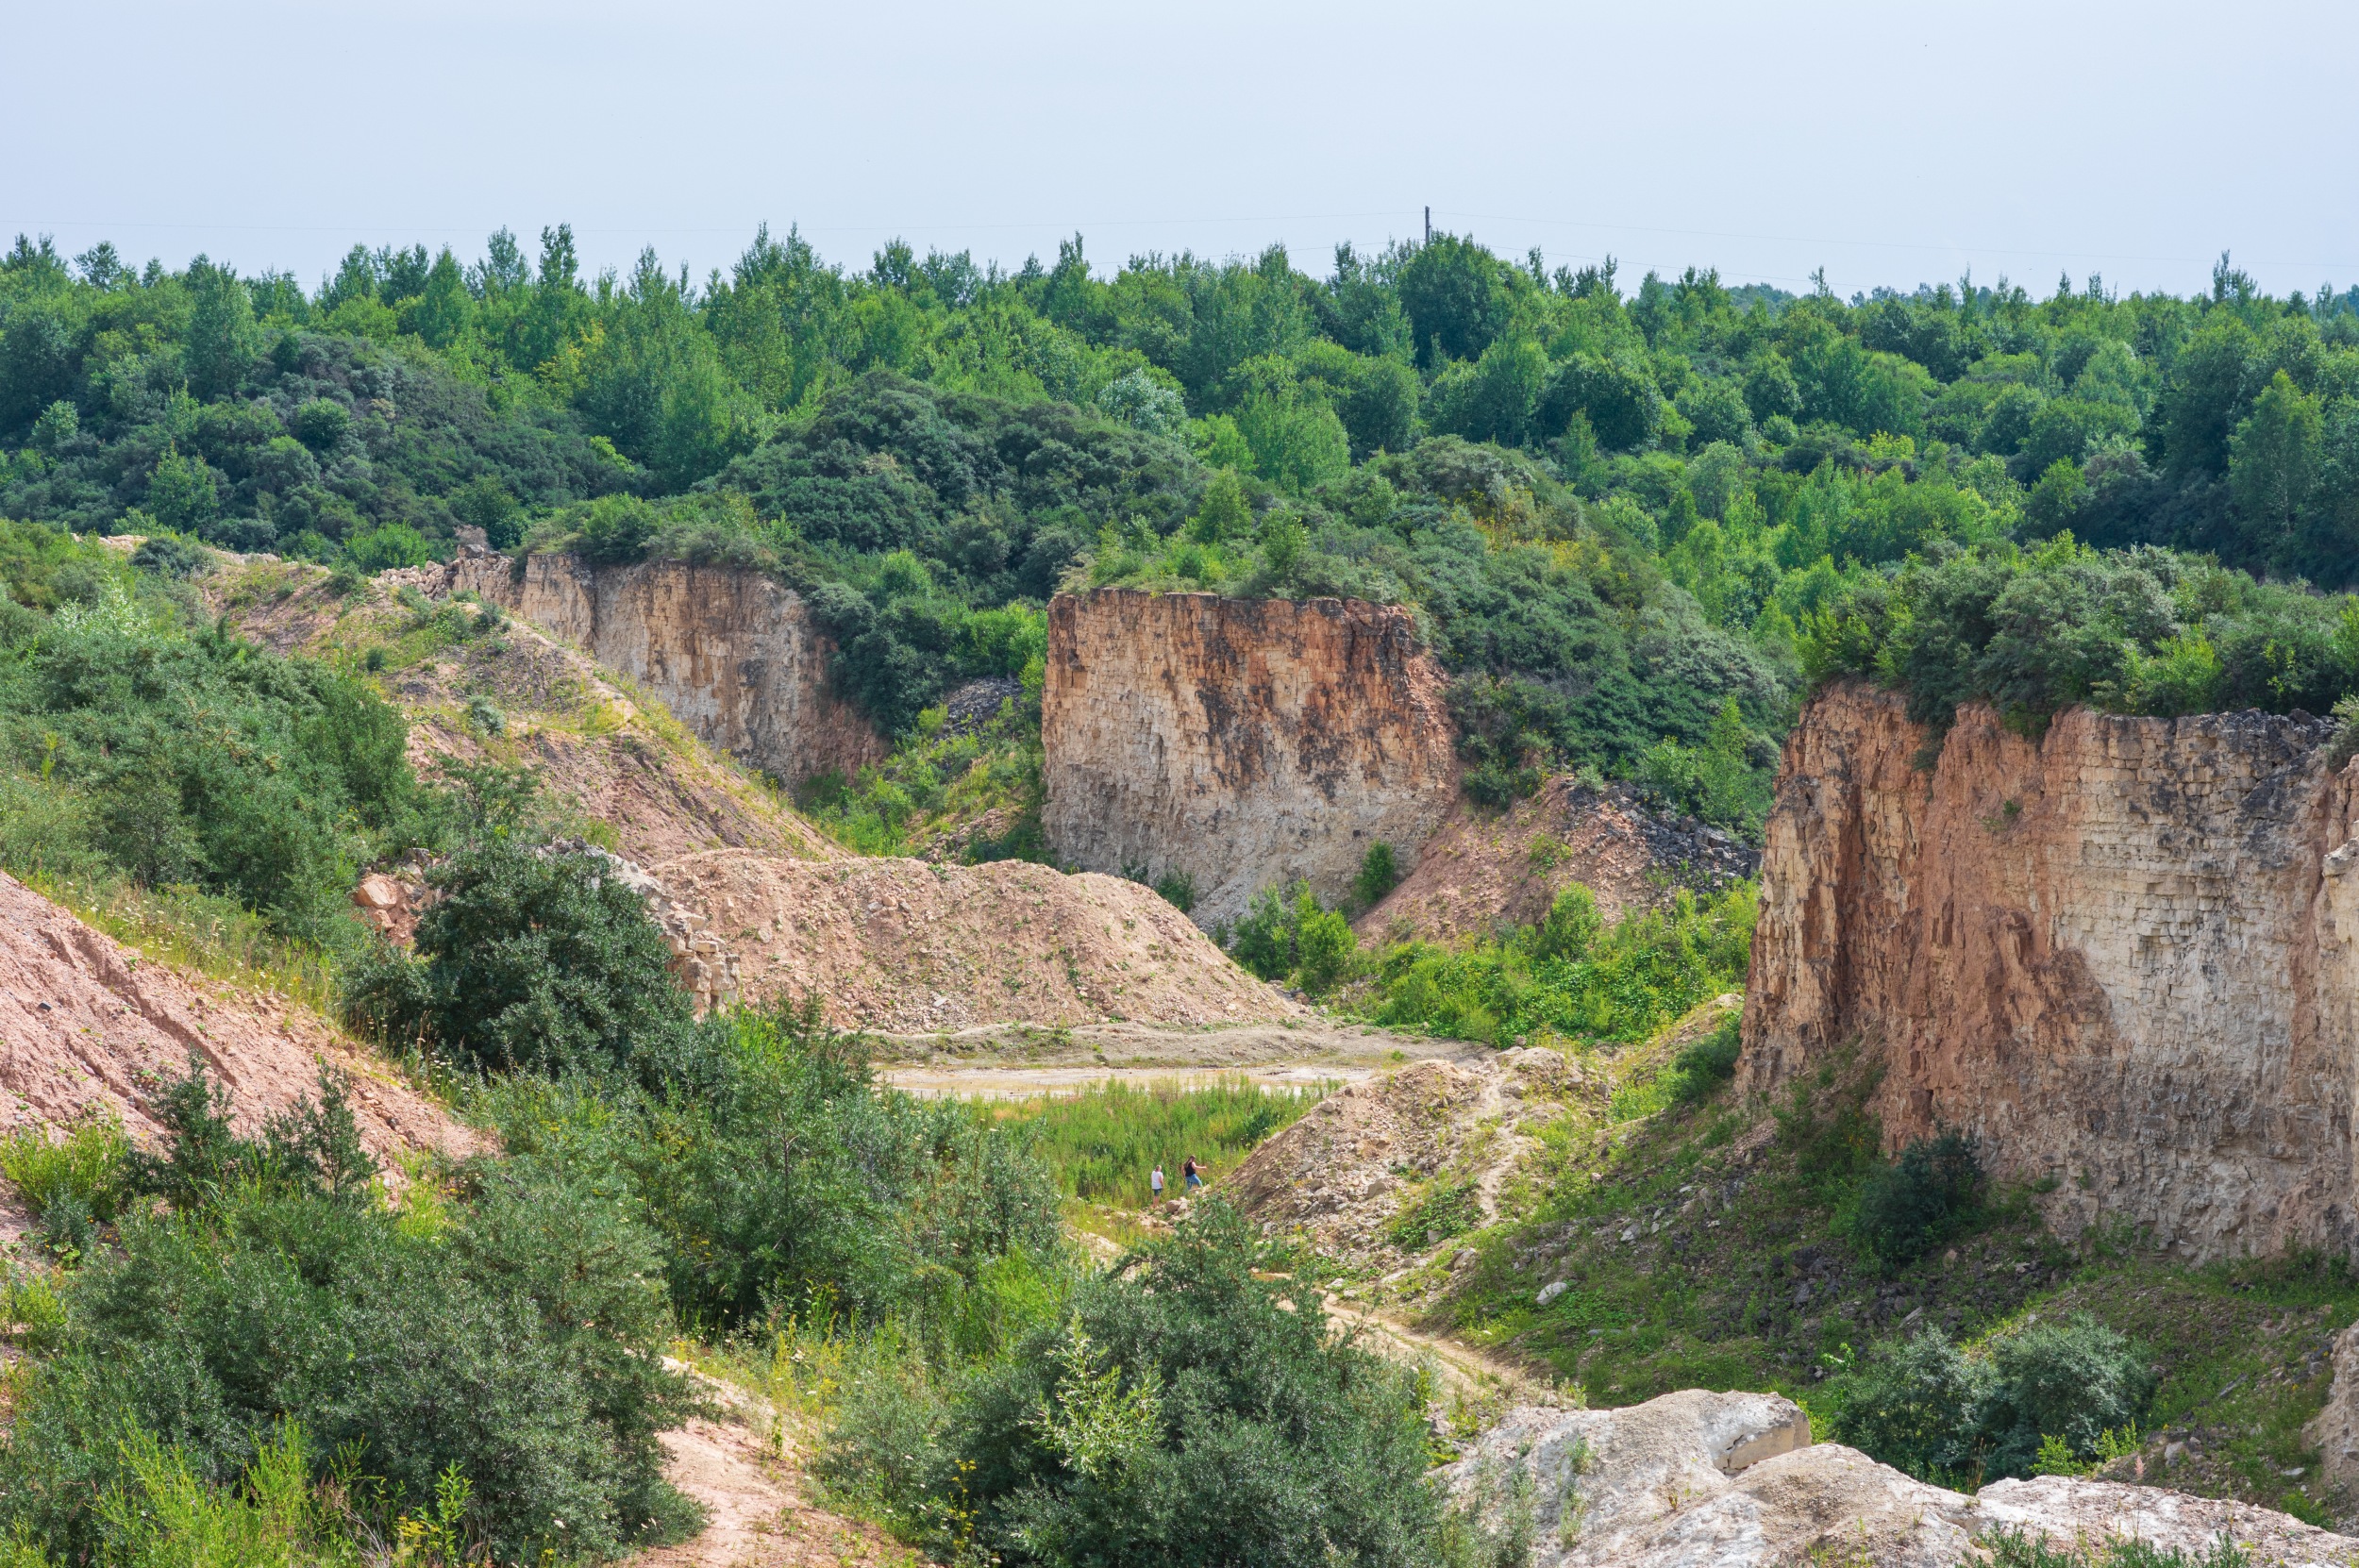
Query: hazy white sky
[[1889, 144]]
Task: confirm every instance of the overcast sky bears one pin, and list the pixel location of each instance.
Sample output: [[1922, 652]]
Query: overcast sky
[[1890, 145]]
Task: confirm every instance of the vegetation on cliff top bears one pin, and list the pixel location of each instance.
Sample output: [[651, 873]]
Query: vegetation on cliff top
[[2034, 631], [1617, 510]]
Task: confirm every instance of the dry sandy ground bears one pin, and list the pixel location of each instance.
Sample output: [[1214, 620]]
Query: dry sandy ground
[[89, 1027], [755, 1513], [908, 948]]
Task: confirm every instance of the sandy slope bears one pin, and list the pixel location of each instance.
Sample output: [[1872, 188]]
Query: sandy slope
[[89, 1026]]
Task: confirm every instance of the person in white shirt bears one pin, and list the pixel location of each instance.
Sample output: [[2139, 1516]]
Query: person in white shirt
[[1155, 1179]]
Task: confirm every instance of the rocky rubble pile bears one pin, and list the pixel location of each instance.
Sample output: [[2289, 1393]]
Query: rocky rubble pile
[[393, 901], [1486, 871], [89, 1027], [1731, 1480], [1342, 1176]]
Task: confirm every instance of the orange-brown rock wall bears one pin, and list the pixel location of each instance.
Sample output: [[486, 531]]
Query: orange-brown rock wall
[[2121, 955], [1244, 742], [732, 654]]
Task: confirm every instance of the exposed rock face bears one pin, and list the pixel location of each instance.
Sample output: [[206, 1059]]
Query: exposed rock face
[[2335, 1431], [736, 656], [1731, 1480], [2122, 957], [609, 754], [1488, 871], [1243, 743]]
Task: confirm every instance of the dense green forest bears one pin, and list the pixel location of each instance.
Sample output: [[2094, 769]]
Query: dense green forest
[[1618, 514]]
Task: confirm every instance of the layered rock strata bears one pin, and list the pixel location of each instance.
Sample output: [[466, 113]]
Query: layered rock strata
[[1241, 744], [2121, 957], [734, 656]]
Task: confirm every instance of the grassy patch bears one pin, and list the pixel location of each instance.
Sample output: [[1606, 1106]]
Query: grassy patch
[[973, 798], [1704, 1241], [1100, 1144]]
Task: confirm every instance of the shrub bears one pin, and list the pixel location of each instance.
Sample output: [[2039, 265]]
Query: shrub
[[1188, 1411], [1571, 926], [516, 1345], [779, 1178], [191, 756], [2074, 1380], [170, 555], [1379, 875], [87, 1167], [382, 548], [1263, 940], [312, 1149], [1176, 888], [1906, 1208], [1711, 1061], [1919, 1405], [1443, 1209], [1568, 976], [534, 958], [1288, 934], [1941, 1412], [1325, 947]]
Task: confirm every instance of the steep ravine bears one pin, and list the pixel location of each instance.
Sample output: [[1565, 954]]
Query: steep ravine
[[2121, 957]]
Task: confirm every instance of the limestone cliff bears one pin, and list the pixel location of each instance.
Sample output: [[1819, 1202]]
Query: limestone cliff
[[1244, 742], [736, 656], [2122, 957]]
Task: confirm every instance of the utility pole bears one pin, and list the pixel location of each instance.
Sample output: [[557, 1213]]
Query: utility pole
[[1428, 225]]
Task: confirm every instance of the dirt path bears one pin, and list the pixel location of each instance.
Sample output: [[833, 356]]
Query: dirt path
[[1461, 1367], [755, 1515]]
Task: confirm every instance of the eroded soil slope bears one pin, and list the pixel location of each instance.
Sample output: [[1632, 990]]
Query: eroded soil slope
[[908, 947], [89, 1027], [1486, 871], [512, 694], [1384, 1171]]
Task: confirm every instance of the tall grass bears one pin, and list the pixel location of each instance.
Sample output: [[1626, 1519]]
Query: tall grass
[[1619, 987], [1101, 1144], [87, 1165], [212, 935]]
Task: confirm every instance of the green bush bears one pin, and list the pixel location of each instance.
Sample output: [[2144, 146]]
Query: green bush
[[2140, 630], [1908, 1207], [533, 959], [1289, 936], [87, 1167], [1941, 1412], [1567, 976], [512, 1338], [1380, 874], [1711, 1061], [779, 1178], [1445, 1208], [1176, 888], [1187, 1412], [393, 544], [168, 754]]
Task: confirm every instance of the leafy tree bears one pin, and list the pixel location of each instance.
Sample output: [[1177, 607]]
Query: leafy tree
[[2273, 457], [1456, 296]]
